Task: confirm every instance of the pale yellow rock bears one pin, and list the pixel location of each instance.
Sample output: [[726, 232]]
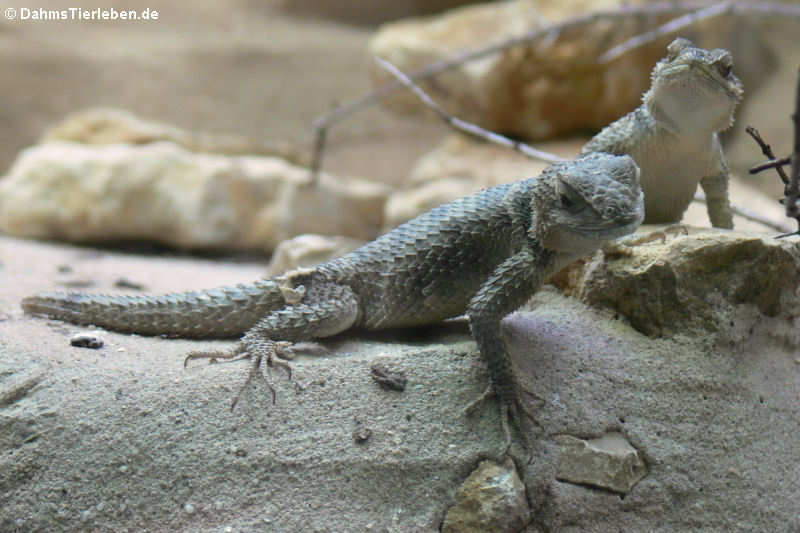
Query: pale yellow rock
[[99, 126], [715, 283], [534, 91], [308, 250], [163, 193], [608, 462], [553, 85], [492, 498]]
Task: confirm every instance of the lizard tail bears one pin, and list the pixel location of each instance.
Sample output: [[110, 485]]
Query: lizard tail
[[215, 313]]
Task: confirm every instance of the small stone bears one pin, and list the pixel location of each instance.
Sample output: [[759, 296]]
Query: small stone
[[361, 434], [87, 340], [608, 462], [124, 283], [492, 498], [189, 508], [388, 379]]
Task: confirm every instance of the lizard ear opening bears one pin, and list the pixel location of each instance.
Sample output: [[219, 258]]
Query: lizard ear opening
[[568, 198]]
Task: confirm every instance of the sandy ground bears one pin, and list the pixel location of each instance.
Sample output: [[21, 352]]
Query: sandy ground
[[125, 439]]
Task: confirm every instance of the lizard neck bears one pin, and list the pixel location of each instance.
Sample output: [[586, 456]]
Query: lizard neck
[[688, 118]]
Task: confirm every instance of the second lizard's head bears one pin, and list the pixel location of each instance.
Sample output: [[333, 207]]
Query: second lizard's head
[[580, 204], [693, 89]]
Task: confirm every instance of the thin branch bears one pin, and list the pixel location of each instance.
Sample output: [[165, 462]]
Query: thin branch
[[665, 29], [463, 126], [793, 189], [766, 149], [772, 163], [791, 184]]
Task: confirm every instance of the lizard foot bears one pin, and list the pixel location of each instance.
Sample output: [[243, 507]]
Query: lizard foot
[[513, 411], [276, 353], [265, 351]]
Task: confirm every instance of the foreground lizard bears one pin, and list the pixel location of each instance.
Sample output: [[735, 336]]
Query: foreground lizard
[[673, 134], [483, 255]]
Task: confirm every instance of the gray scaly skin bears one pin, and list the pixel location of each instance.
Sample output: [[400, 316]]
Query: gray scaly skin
[[484, 255], [673, 134]]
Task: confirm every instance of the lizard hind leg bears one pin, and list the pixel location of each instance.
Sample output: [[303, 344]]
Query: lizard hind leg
[[324, 310]]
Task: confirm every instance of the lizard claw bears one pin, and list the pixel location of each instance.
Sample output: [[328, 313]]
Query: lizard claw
[[236, 354], [508, 412], [275, 354], [255, 371], [473, 406]]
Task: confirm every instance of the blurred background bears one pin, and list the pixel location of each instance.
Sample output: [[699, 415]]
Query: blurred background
[[261, 69], [264, 70]]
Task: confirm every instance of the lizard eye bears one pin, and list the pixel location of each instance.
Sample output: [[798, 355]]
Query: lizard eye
[[566, 201], [724, 64]]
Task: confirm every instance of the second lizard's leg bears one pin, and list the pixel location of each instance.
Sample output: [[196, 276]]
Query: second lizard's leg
[[719, 208]]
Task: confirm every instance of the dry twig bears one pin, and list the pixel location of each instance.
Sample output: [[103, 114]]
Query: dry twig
[[792, 210], [773, 162], [791, 183], [461, 125]]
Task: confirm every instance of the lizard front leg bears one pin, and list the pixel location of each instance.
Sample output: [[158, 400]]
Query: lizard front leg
[[324, 310], [511, 284], [715, 187], [719, 207]]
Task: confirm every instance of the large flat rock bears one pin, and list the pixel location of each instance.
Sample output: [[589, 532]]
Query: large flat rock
[[126, 439]]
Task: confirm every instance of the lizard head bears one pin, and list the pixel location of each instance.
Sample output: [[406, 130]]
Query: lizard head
[[584, 202], [693, 89]]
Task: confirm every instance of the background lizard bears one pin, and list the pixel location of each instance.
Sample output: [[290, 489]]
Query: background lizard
[[673, 134], [483, 255]]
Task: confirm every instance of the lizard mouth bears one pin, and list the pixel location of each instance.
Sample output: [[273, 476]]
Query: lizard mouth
[[709, 80], [613, 230]]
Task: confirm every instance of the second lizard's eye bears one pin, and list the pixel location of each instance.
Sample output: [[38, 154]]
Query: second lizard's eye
[[566, 201]]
